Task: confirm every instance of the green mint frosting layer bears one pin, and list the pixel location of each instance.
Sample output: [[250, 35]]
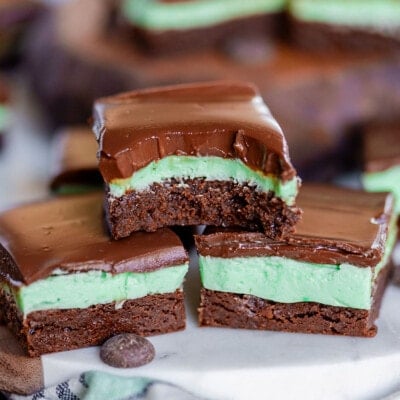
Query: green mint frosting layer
[[210, 168], [156, 15], [289, 281], [85, 289], [285, 280], [373, 13], [384, 181], [4, 117]]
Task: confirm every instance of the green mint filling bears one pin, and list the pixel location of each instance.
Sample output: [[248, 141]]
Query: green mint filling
[[210, 168], [84, 289], [153, 14], [384, 181], [289, 281], [285, 280], [373, 13]]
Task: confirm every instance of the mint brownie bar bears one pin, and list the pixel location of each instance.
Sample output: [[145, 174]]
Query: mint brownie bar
[[207, 153], [327, 278], [64, 284]]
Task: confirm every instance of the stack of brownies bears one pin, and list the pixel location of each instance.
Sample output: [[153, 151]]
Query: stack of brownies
[[201, 154]]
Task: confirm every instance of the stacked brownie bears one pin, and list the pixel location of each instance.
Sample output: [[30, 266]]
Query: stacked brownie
[[208, 154]]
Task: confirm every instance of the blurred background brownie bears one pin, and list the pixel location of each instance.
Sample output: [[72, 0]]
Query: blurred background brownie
[[173, 26], [74, 161], [318, 99], [351, 25]]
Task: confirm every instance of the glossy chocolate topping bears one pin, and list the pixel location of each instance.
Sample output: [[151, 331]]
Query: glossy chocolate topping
[[338, 226], [75, 160], [381, 147], [68, 234], [224, 119]]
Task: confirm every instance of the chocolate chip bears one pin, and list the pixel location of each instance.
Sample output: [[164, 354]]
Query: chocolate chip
[[127, 350]]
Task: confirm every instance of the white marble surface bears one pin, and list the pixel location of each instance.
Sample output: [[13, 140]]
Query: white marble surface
[[223, 363]]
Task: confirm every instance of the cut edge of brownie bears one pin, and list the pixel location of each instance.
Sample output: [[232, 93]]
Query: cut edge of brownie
[[220, 309], [199, 202], [54, 330]]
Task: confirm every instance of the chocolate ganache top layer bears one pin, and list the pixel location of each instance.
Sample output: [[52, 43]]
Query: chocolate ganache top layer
[[67, 235], [225, 119], [338, 226]]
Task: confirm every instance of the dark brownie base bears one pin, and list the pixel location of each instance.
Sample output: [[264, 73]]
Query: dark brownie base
[[232, 310], [220, 35], [199, 202], [58, 330], [325, 37]]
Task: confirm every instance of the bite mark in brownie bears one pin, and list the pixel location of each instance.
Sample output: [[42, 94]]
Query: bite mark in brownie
[[199, 202]]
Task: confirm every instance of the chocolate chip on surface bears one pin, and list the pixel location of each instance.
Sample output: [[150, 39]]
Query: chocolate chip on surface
[[127, 350]]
